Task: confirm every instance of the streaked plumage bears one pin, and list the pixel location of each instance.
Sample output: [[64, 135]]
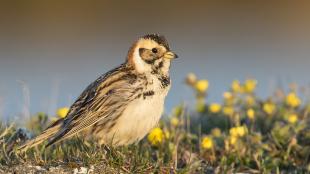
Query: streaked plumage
[[121, 106]]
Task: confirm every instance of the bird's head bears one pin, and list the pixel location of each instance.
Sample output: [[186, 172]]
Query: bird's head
[[151, 53]]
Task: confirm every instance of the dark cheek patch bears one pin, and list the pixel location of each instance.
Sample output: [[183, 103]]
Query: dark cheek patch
[[144, 53], [146, 56], [141, 50]]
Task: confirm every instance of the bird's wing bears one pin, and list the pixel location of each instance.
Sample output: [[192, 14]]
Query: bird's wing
[[106, 98]]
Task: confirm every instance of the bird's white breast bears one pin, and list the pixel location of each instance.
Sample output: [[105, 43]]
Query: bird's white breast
[[139, 117]]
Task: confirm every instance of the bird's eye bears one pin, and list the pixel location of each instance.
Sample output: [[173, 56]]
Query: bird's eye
[[154, 50]]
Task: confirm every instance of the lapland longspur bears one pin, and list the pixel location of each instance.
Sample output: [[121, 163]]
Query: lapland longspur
[[123, 105]]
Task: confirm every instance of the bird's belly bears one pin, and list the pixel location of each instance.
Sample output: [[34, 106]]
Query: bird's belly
[[136, 121]]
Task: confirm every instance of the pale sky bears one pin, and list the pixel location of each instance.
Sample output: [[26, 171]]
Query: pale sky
[[57, 48]]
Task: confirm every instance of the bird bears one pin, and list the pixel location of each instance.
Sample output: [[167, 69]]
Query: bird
[[123, 105]]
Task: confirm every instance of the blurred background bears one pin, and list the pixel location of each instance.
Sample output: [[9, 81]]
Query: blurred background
[[51, 50]]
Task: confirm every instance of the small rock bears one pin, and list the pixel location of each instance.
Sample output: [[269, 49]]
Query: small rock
[[92, 168], [39, 168], [83, 170]]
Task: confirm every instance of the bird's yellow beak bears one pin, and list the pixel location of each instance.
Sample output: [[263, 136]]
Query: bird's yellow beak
[[170, 55]]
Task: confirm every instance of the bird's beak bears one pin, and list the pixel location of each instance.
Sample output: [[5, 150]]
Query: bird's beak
[[170, 55]]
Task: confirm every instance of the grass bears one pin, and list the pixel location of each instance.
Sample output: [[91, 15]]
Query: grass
[[242, 134]]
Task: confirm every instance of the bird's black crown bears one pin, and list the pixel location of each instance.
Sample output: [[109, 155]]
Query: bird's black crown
[[160, 39]]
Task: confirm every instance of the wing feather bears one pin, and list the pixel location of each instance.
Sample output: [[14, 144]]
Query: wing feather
[[100, 103]]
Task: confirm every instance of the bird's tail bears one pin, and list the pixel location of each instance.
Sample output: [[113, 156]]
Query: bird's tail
[[45, 135]]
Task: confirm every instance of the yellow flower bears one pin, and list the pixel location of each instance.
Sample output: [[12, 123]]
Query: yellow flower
[[207, 143], [156, 136], [228, 98], [216, 132], [250, 114], [269, 108], [227, 95], [292, 118], [238, 131], [202, 85], [191, 79], [250, 85], [256, 138], [241, 131], [228, 110], [166, 134], [233, 140], [62, 112], [292, 100], [250, 100], [215, 107], [233, 132], [174, 121], [236, 86]]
